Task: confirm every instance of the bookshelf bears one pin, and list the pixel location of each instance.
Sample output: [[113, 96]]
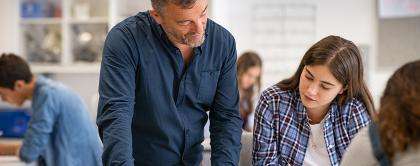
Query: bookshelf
[[67, 36]]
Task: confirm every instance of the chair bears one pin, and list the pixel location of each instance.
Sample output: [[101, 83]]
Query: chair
[[245, 158]]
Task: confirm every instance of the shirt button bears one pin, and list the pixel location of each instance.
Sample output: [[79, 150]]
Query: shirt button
[[330, 146]]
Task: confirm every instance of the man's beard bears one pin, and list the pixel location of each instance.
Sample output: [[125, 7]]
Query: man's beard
[[188, 40]]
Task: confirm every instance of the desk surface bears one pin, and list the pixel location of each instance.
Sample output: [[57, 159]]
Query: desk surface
[[10, 161], [7, 160], [10, 140], [9, 147]]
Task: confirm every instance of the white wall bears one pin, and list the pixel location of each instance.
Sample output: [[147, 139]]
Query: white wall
[[355, 20], [86, 85], [9, 31]]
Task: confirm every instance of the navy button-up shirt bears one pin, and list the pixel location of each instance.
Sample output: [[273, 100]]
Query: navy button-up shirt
[[152, 107]]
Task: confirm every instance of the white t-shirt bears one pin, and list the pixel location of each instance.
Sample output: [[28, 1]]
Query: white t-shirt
[[316, 152]]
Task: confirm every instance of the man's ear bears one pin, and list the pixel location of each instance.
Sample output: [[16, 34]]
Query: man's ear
[[19, 85], [156, 15]]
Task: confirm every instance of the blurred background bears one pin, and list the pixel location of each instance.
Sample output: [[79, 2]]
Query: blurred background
[[63, 39]]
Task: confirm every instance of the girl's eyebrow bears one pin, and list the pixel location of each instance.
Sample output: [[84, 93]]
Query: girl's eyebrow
[[325, 82]]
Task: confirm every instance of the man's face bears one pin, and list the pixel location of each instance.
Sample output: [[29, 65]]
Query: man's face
[[12, 96], [185, 26]]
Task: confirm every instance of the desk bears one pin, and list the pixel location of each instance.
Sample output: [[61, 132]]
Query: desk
[[11, 161], [8, 146], [245, 155], [7, 149]]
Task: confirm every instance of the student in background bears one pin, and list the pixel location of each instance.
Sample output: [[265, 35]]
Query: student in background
[[60, 131], [249, 82], [394, 139], [311, 117]]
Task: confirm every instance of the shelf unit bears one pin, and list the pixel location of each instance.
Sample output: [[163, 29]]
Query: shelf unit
[[69, 37]]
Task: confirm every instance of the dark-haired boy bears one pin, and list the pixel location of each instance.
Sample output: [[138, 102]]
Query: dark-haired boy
[[60, 131]]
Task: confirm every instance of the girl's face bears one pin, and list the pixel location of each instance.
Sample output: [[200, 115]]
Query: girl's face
[[318, 87], [249, 77]]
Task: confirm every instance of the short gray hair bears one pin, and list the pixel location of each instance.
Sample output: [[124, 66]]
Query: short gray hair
[[160, 4]]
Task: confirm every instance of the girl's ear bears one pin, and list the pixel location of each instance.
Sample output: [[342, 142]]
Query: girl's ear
[[342, 90]]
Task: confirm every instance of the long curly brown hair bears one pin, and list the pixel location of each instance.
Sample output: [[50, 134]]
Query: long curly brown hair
[[399, 113]]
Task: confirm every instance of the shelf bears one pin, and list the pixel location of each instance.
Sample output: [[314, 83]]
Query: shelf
[[76, 27], [78, 68], [93, 20], [41, 20]]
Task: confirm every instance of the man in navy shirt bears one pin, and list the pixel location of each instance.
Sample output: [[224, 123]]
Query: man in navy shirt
[[161, 71]]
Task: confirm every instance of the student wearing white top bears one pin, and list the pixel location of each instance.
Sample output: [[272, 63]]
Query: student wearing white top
[[394, 139], [316, 153], [311, 117]]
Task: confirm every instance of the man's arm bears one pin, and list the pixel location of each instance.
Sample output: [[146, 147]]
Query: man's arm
[[40, 128], [116, 98], [225, 120]]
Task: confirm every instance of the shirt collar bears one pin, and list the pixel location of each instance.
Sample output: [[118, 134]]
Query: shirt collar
[[40, 82]]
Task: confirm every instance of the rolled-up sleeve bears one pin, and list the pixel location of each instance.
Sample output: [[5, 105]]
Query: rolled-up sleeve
[[225, 120], [116, 98]]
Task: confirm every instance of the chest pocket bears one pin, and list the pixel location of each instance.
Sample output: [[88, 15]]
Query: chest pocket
[[208, 85]]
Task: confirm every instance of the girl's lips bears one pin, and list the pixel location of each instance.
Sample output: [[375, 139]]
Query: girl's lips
[[311, 99]]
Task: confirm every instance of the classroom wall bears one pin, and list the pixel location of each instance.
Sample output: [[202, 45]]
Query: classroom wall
[[355, 20], [9, 26]]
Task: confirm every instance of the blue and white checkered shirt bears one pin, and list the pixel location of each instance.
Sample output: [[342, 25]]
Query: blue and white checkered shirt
[[282, 130]]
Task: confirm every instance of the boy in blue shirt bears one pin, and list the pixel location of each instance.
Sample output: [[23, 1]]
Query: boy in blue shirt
[[60, 131]]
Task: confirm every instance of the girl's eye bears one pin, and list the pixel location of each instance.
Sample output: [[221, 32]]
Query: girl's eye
[[309, 78], [323, 87]]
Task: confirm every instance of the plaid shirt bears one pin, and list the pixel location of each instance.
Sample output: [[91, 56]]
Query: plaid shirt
[[282, 130]]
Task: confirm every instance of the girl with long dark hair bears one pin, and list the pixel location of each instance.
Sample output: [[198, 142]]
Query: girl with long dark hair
[[311, 117]]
